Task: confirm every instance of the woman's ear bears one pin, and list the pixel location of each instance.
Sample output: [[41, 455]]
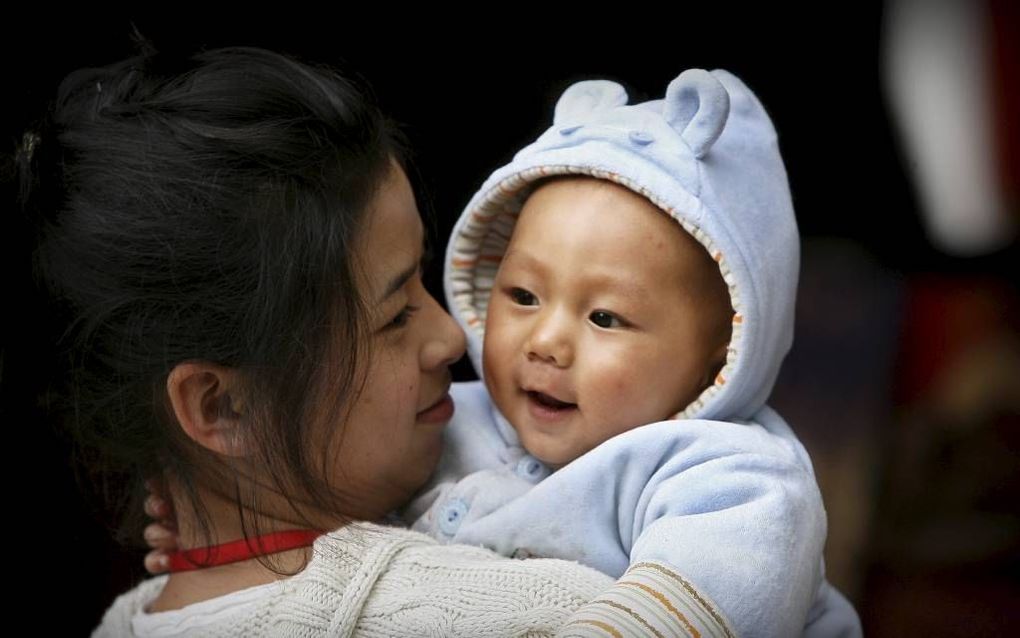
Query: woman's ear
[[205, 399]]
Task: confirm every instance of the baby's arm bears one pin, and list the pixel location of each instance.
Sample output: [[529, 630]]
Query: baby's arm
[[734, 508]]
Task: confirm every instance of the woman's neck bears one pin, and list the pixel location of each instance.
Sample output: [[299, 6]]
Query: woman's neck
[[188, 588], [224, 524]]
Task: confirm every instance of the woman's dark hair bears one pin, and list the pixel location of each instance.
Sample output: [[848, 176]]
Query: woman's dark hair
[[205, 209]]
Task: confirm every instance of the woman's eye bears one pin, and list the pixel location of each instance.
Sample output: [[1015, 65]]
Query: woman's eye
[[603, 319], [522, 297], [401, 319]]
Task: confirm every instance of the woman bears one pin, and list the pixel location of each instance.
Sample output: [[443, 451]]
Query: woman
[[239, 250]]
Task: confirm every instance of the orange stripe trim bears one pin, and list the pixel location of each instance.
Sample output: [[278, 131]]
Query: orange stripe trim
[[665, 603], [600, 625]]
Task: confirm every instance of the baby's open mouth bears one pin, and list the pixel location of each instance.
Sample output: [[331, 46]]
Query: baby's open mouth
[[549, 402]]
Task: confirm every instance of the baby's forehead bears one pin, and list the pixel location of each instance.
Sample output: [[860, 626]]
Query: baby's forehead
[[572, 195], [560, 204], [643, 278], [630, 228]]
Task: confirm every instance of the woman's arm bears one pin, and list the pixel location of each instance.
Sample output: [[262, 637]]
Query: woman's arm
[[650, 599]]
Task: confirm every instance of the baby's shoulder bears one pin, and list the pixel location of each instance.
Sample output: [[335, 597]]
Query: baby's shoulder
[[686, 443]]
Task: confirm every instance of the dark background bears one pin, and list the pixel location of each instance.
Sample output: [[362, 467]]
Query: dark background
[[922, 499]]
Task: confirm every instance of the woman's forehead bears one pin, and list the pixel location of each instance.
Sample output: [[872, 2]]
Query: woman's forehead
[[392, 240]]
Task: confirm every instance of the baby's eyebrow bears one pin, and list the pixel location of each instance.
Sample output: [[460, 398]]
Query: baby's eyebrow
[[621, 286], [526, 260]]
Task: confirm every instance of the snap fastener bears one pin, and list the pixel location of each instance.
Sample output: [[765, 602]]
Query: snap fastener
[[641, 138], [452, 515], [530, 468]]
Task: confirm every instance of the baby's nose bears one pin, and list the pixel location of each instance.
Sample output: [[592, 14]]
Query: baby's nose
[[551, 342]]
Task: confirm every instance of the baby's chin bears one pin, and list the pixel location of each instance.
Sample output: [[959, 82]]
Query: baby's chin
[[553, 462], [552, 453]]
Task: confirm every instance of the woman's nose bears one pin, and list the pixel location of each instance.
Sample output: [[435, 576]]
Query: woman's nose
[[444, 341], [550, 340]]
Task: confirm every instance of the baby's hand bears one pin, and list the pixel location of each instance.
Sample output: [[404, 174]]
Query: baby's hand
[[161, 536]]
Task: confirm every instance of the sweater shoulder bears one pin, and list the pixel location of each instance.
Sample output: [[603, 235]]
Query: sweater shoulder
[[116, 619]]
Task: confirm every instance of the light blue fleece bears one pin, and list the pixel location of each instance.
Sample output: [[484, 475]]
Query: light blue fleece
[[726, 494]]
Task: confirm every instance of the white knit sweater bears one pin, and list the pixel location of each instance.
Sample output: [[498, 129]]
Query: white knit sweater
[[369, 580], [372, 581]]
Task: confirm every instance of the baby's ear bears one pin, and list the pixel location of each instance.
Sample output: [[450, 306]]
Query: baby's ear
[[582, 99], [697, 106]]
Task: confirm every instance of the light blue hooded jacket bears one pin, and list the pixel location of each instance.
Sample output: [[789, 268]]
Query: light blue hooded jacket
[[725, 493]]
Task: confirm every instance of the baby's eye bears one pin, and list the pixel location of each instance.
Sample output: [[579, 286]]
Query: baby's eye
[[603, 319], [522, 297]]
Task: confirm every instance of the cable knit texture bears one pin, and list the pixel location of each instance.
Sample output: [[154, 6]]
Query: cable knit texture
[[374, 581]]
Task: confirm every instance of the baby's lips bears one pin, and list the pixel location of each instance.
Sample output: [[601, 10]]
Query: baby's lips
[[549, 395]]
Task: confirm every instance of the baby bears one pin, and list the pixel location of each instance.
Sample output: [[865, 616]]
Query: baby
[[637, 266]]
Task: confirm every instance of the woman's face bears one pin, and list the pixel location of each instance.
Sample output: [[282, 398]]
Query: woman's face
[[392, 437]]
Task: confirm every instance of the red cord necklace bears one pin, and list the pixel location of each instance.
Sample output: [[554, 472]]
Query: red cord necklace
[[241, 549]]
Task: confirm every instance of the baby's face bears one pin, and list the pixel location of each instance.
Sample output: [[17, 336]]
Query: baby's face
[[605, 315]]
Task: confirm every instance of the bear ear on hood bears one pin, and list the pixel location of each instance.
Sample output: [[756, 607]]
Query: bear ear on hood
[[697, 106], [583, 99]]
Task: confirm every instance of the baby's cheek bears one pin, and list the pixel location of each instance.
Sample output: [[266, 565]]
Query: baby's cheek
[[634, 402], [613, 412], [490, 348], [623, 380]]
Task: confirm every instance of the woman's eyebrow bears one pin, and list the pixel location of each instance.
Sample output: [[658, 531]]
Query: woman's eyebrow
[[405, 275], [398, 282]]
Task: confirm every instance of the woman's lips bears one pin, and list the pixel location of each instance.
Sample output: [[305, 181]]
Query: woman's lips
[[439, 412]]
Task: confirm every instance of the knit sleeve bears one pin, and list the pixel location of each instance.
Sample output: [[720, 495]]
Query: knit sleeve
[[459, 591], [650, 599]]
